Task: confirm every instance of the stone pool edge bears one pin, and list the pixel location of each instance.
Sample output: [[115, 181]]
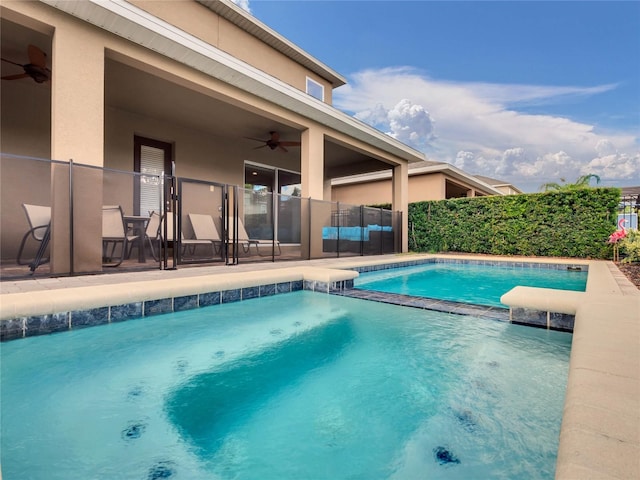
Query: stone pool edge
[[600, 432], [48, 311]]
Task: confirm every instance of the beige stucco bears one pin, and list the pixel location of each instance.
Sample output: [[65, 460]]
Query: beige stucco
[[371, 193], [215, 30], [424, 187], [421, 187], [106, 89]]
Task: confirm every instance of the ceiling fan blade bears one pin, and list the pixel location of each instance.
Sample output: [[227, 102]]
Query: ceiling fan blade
[[256, 139], [37, 57], [282, 148], [261, 146], [16, 77], [13, 63], [290, 144]]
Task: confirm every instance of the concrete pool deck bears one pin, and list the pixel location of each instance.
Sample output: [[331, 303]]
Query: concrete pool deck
[[600, 434]]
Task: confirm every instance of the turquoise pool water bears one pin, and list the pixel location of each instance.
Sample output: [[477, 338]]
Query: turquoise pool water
[[477, 284], [299, 386]]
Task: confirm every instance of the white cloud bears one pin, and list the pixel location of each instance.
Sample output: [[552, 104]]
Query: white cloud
[[618, 166], [477, 127], [410, 123], [244, 4], [378, 116], [605, 147], [511, 95], [405, 121], [464, 159]]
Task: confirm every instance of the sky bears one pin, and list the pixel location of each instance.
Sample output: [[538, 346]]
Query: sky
[[526, 92]]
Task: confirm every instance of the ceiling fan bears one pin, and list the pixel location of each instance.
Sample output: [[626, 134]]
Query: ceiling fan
[[36, 68], [274, 142]]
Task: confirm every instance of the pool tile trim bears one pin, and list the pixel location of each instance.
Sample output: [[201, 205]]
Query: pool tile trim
[[316, 280], [31, 325], [445, 306], [602, 370], [50, 323], [574, 266], [531, 317]]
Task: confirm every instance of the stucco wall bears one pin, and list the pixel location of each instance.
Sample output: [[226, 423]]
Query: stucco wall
[[373, 193], [422, 187], [426, 187], [25, 109], [215, 30], [197, 154]]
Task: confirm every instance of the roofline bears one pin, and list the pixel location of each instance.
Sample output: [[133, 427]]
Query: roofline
[[496, 185], [136, 25], [250, 24], [437, 168], [507, 185]]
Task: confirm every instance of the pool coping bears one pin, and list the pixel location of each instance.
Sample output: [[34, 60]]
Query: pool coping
[[600, 432], [423, 303], [28, 314]]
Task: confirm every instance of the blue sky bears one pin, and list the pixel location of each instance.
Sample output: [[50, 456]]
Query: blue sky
[[528, 92]]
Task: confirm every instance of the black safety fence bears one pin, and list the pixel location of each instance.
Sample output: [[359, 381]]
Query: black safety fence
[[628, 210], [64, 218]]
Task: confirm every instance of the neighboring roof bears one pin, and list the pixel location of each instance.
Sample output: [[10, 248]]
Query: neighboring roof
[[630, 191], [421, 168], [136, 25], [244, 20], [497, 183]]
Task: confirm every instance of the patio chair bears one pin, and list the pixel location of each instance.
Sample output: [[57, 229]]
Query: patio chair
[[151, 234], [39, 218], [205, 232], [246, 242], [187, 244], [114, 232]]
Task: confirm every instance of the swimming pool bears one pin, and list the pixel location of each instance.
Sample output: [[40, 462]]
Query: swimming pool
[[295, 386], [468, 283]]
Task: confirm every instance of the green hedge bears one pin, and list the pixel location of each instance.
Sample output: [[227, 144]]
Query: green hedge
[[559, 224]]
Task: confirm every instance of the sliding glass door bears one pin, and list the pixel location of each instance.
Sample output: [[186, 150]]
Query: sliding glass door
[[263, 215]]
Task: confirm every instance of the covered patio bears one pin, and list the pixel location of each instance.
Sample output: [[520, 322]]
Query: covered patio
[[145, 100]]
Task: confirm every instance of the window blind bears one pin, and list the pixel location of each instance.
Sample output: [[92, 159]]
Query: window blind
[[151, 164]]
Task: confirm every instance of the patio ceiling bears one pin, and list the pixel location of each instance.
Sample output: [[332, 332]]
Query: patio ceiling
[[137, 91]]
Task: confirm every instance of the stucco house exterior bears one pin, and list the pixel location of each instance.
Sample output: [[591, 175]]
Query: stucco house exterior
[[428, 180], [192, 87], [505, 187]]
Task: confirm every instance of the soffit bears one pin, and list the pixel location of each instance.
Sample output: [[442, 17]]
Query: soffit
[[125, 20]]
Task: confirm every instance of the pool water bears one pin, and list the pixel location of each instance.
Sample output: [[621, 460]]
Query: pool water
[[476, 284], [299, 386]]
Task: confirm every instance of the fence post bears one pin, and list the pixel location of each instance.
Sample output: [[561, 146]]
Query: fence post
[[71, 224]]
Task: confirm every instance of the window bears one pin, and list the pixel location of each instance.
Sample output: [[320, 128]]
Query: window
[[315, 89], [151, 157]]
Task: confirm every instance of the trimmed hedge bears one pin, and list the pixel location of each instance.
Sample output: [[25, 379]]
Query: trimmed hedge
[[574, 223]]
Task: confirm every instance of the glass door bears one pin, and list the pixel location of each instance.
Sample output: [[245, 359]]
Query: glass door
[[288, 206], [258, 201], [261, 218]]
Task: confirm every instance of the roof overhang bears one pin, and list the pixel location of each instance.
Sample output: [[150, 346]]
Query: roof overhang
[[247, 22], [134, 24], [432, 167]]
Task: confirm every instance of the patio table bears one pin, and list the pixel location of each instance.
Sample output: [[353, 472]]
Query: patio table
[[138, 225]]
